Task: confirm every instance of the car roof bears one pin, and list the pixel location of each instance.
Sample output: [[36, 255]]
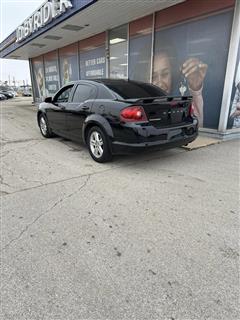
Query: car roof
[[106, 81], [114, 81]]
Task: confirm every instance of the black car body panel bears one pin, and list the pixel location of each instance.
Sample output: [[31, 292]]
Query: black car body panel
[[99, 120], [167, 124]]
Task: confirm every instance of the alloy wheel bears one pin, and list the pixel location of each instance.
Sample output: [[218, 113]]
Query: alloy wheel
[[43, 126], [96, 144]]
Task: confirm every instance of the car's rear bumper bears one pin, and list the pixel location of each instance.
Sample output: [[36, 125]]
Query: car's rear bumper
[[155, 139]]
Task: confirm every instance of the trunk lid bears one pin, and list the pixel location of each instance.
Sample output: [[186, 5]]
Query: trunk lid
[[166, 111]]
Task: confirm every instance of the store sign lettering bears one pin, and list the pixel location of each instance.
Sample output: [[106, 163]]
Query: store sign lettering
[[97, 69], [49, 11], [95, 61]]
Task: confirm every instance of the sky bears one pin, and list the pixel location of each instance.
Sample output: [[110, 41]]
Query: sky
[[12, 14]]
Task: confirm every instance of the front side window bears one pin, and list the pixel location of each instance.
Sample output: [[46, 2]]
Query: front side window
[[83, 93], [63, 95]]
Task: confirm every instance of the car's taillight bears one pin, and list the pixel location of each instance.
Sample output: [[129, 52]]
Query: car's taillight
[[133, 114], [191, 110]]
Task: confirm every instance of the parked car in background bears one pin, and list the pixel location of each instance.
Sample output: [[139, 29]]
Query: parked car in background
[[2, 97], [7, 91], [118, 116], [7, 94], [26, 93]]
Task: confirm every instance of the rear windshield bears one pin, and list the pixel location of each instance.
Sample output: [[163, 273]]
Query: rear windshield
[[132, 90]]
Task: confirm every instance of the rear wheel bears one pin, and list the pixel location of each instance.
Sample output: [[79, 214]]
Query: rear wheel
[[98, 145], [44, 126]]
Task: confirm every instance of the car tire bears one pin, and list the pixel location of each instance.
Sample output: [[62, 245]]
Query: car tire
[[98, 145], [44, 126]]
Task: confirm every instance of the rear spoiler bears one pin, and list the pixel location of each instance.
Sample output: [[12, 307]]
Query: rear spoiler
[[164, 99], [158, 99]]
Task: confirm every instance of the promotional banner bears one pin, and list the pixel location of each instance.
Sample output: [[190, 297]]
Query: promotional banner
[[140, 47], [190, 59], [93, 57], [93, 64], [51, 73], [68, 57], [38, 77], [234, 114]]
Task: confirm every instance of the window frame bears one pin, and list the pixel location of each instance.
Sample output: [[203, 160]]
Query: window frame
[[93, 87], [69, 86], [126, 25]]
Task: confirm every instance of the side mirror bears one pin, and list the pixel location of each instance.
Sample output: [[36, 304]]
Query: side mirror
[[48, 100]]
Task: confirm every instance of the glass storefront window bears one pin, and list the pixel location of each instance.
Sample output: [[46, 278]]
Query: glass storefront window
[[51, 73], [68, 58], [93, 57], [38, 78], [234, 112], [190, 59], [118, 48], [140, 49]]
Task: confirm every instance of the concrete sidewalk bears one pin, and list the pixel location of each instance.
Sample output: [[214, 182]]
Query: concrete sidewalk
[[201, 142]]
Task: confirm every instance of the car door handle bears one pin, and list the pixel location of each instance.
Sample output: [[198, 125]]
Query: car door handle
[[85, 108]]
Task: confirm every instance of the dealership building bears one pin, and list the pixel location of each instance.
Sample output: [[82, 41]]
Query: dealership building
[[186, 47]]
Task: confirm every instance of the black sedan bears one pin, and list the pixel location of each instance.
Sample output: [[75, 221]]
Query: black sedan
[[117, 116], [9, 94], [2, 96]]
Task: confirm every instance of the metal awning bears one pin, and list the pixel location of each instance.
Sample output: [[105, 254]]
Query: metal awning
[[90, 18]]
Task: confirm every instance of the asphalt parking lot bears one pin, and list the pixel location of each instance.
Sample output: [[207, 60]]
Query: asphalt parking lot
[[153, 236]]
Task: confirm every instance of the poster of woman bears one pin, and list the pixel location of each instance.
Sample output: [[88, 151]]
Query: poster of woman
[[68, 59], [39, 83], [192, 74], [190, 59]]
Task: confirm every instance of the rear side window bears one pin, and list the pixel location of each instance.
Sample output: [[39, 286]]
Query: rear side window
[[104, 93], [83, 92], [132, 90]]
